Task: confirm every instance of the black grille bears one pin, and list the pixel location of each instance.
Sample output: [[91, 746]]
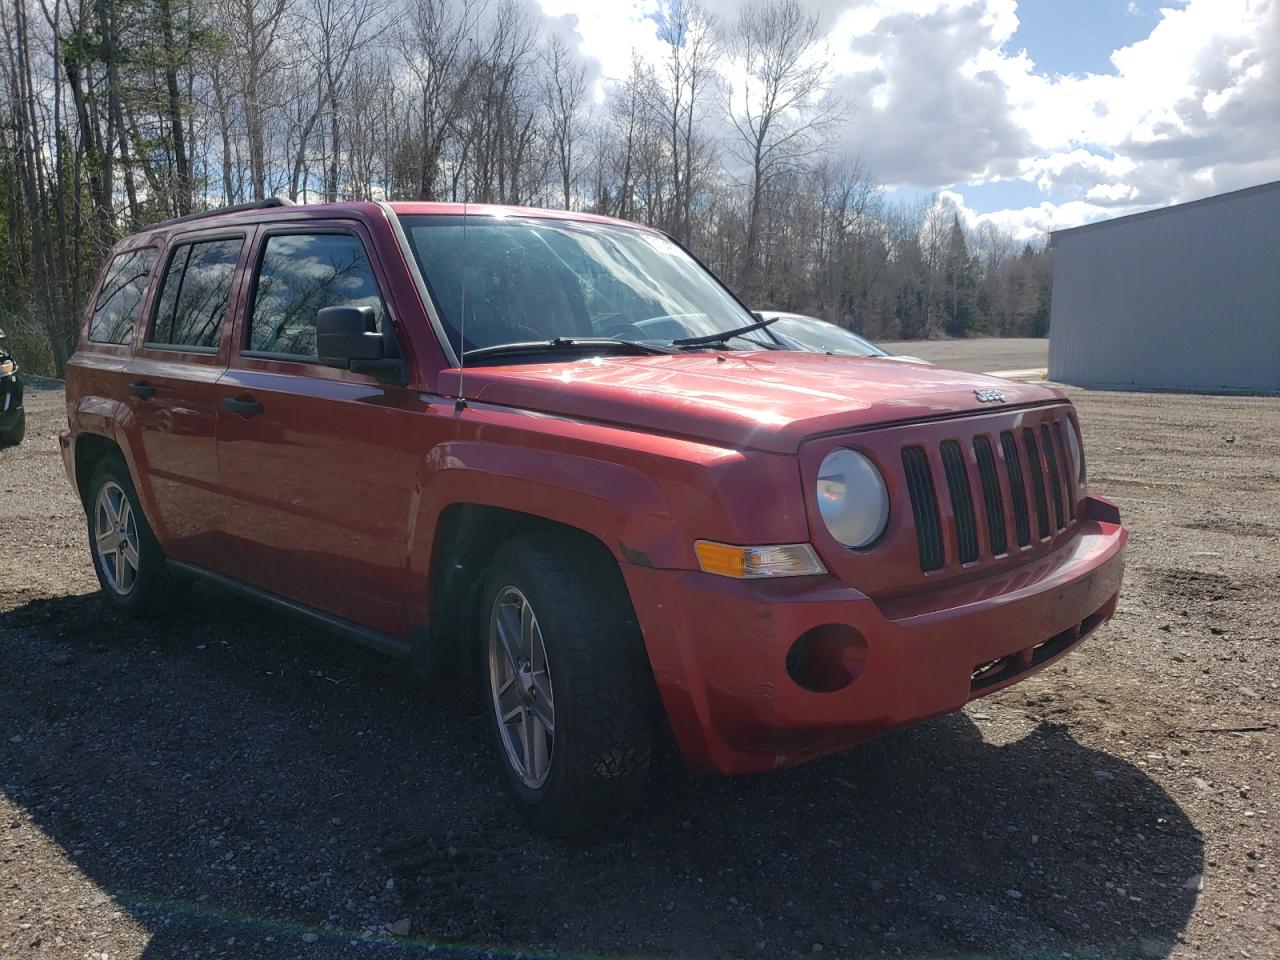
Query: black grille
[[991, 494], [1035, 476], [924, 507], [1036, 479], [961, 501], [1017, 488]]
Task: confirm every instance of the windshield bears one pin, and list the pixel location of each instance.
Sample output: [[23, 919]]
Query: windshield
[[823, 337], [540, 280]]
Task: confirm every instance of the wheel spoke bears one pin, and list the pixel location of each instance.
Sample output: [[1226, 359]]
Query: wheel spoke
[[508, 626], [120, 568], [528, 725], [538, 754], [528, 627], [545, 711], [509, 703], [130, 554], [106, 540]]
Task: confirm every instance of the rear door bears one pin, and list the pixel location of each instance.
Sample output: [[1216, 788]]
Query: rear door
[[320, 462], [173, 392]]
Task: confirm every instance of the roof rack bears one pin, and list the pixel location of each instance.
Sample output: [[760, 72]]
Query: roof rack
[[264, 204]]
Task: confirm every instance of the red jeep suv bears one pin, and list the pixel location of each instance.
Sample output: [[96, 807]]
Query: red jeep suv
[[554, 451]]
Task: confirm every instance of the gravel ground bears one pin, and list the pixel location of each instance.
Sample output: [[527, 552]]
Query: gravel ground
[[979, 355], [227, 783]]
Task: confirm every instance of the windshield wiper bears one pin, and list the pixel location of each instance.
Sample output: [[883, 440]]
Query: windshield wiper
[[564, 344], [723, 335]]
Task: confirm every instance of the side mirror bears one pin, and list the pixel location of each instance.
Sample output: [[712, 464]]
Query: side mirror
[[347, 333]]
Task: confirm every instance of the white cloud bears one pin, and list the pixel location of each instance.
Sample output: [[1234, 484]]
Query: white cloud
[[1190, 110]]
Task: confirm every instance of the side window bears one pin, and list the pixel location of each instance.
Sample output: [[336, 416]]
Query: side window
[[300, 274], [117, 306], [193, 297]]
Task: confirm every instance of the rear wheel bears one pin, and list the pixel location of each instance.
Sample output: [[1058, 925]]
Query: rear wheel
[[13, 436], [567, 686], [130, 565]]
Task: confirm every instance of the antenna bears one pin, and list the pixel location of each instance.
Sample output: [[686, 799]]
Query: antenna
[[461, 403]]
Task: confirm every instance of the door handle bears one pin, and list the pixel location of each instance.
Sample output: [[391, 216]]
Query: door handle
[[142, 390], [244, 407]]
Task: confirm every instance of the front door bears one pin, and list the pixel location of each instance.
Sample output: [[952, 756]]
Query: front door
[[173, 390], [320, 462]]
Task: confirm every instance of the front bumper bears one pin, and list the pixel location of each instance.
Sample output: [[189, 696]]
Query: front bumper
[[719, 647]]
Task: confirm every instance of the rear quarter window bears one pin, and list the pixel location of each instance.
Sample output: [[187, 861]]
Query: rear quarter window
[[120, 300]]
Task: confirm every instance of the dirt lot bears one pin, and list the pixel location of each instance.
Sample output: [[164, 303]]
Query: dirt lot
[[226, 783], [979, 355]]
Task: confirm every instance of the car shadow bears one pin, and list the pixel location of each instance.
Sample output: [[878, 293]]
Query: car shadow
[[231, 778]]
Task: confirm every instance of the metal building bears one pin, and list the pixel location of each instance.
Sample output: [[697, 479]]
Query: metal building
[[1185, 297]]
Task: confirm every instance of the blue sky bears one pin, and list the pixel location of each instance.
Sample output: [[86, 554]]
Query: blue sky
[[1078, 36], [1034, 114]]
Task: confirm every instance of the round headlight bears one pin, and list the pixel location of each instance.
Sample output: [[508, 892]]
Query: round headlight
[[852, 498], [1077, 453]]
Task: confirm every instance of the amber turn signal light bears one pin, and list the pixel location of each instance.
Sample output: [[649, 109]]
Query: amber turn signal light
[[745, 563]]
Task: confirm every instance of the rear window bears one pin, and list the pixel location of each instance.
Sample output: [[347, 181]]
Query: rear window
[[300, 274], [120, 299], [193, 297]]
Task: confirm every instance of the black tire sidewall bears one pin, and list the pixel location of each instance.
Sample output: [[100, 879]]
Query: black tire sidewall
[[14, 435]]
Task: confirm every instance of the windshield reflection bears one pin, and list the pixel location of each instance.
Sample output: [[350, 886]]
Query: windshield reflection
[[529, 279]]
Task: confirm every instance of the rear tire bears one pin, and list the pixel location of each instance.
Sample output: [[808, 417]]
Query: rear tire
[[566, 685], [13, 436], [127, 558]]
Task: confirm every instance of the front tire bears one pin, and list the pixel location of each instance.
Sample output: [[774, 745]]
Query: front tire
[[127, 558], [567, 688]]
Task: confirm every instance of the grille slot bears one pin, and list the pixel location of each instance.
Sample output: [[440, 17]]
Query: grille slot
[[1054, 476], [961, 501], [1068, 481], [991, 494], [1017, 488], [1035, 476], [924, 507]]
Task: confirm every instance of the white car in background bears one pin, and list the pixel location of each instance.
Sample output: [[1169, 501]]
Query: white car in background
[[794, 331]]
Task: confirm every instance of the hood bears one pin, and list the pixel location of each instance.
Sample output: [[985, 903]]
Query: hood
[[769, 400]]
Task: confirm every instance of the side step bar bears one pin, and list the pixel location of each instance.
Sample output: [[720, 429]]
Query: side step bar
[[382, 642]]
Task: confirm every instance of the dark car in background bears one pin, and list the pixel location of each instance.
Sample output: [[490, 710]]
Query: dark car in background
[[13, 419], [794, 331]]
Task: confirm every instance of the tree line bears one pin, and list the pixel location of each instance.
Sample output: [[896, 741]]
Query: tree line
[[121, 113]]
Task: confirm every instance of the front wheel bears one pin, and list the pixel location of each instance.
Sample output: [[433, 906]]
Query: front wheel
[[568, 691]]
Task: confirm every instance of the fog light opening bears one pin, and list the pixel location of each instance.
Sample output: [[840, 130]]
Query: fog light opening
[[827, 658]]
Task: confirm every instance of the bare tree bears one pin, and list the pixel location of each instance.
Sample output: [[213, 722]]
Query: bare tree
[[688, 34], [256, 27], [781, 111], [564, 94], [438, 46]]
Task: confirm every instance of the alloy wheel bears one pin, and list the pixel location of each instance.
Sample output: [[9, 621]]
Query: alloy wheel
[[115, 536], [520, 687]]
